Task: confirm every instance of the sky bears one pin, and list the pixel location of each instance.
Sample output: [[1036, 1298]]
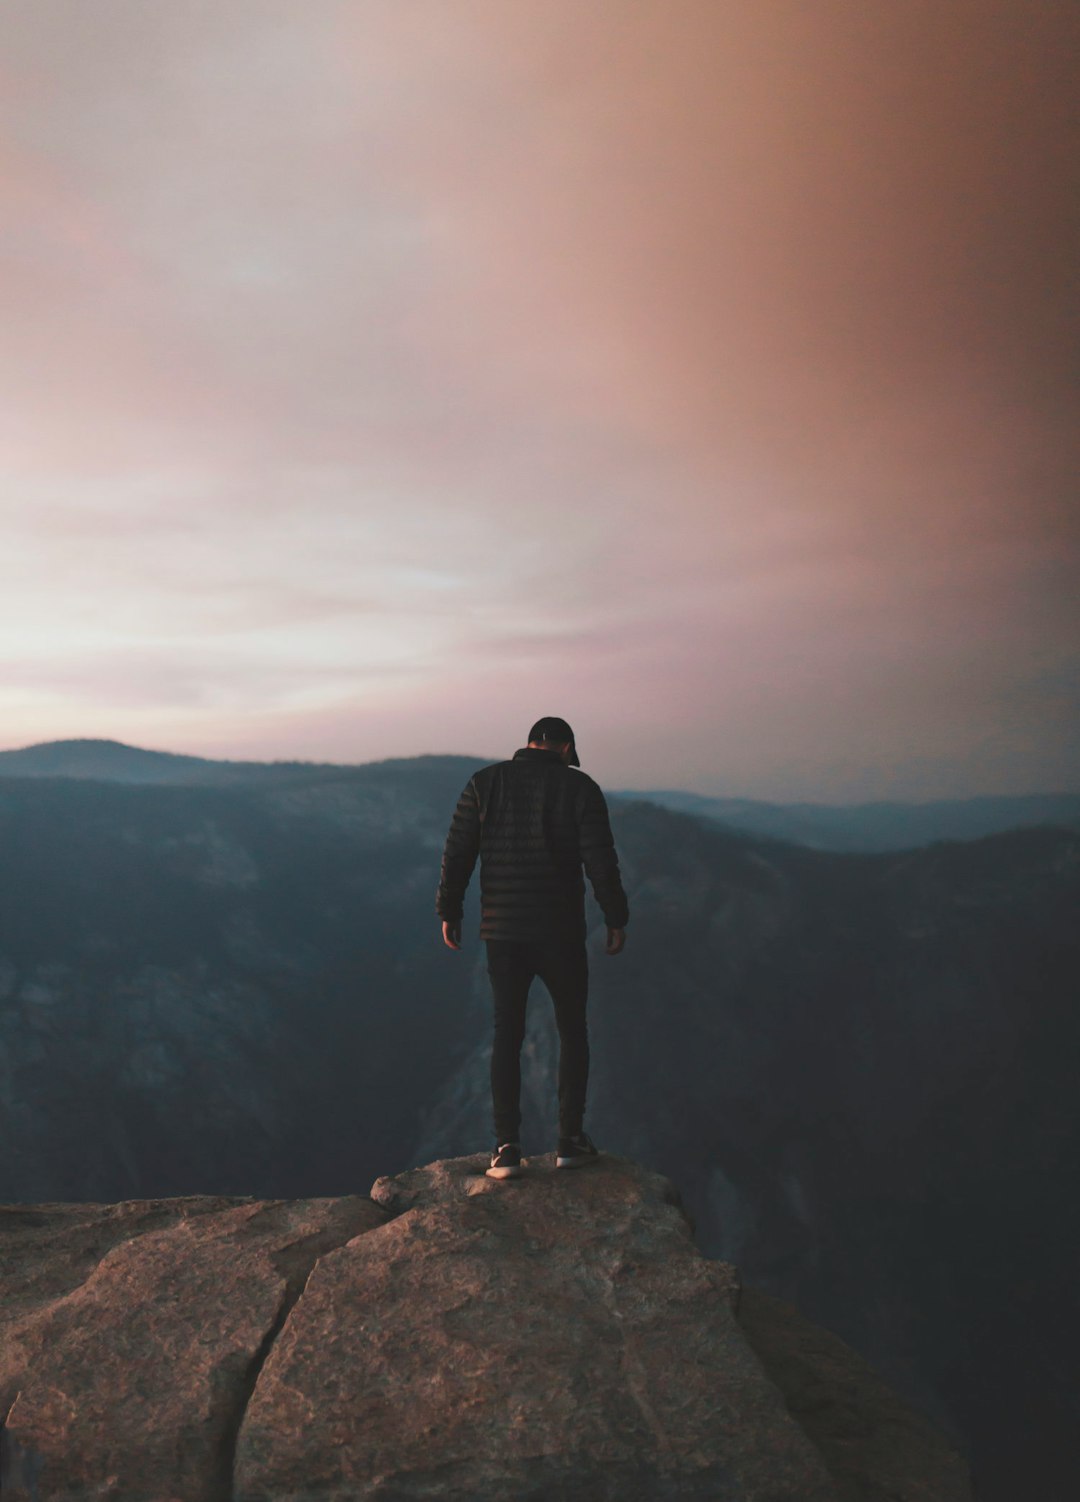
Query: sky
[[378, 377]]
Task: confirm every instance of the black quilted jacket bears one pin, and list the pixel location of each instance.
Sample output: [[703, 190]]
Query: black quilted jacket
[[533, 821]]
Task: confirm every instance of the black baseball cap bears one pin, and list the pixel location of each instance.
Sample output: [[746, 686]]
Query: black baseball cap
[[557, 731]]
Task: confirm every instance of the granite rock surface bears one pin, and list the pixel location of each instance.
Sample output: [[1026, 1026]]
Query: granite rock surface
[[555, 1337]]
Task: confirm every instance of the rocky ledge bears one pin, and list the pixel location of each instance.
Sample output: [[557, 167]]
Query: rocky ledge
[[553, 1338]]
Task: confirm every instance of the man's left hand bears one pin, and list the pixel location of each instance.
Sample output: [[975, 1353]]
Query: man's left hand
[[616, 938], [451, 933]]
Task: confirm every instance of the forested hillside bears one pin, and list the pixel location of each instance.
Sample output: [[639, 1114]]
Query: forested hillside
[[860, 1069]]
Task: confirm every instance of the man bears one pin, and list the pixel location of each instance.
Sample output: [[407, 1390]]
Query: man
[[533, 821]]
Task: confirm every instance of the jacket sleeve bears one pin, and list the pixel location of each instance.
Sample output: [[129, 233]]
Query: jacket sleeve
[[599, 858], [459, 855]]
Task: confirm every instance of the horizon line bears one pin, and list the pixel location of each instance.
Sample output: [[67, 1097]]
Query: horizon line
[[463, 756]]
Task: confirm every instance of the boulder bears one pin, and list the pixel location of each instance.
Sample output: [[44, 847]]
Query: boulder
[[131, 1336], [553, 1337]]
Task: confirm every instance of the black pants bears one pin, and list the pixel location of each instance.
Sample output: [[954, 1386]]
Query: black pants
[[563, 966]]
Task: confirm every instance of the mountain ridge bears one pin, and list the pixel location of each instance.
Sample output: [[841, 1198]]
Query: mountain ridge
[[876, 825]]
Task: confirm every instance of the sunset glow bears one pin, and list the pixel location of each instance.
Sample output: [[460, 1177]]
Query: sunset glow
[[378, 378]]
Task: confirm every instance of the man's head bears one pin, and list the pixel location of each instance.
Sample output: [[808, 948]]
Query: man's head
[[553, 734]]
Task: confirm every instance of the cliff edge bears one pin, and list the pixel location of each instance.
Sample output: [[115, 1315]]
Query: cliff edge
[[555, 1338]]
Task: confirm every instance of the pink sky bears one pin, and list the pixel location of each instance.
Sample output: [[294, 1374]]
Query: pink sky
[[380, 377]]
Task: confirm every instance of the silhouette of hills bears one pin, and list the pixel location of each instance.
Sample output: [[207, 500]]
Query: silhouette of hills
[[876, 826], [894, 825], [114, 761]]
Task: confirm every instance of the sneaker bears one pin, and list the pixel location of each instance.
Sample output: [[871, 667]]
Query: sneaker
[[574, 1151], [505, 1162]]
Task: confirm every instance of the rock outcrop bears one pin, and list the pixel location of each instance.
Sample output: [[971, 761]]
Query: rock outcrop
[[546, 1339]]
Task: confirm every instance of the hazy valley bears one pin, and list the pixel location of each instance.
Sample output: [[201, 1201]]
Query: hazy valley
[[859, 1068]]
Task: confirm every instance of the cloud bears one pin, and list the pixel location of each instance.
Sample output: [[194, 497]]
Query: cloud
[[701, 370]]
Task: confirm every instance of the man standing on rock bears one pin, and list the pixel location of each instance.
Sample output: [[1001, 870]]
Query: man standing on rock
[[533, 821]]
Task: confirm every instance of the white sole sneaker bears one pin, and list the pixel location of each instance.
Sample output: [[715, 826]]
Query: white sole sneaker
[[511, 1170], [575, 1160]]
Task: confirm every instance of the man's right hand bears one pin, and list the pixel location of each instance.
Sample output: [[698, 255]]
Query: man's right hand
[[616, 938]]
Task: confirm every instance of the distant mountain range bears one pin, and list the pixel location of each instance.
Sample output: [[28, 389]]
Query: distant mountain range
[[113, 761], [876, 826], [821, 826], [860, 1068]]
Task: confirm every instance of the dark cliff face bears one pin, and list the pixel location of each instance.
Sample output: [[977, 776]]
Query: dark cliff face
[[204, 988], [858, 1068]]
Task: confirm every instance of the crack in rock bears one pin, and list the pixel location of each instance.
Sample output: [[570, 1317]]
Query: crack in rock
[[19, 1467], [296, 1261]]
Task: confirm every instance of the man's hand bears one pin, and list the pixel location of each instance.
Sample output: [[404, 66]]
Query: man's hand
[[616, 938], [451, 933]]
